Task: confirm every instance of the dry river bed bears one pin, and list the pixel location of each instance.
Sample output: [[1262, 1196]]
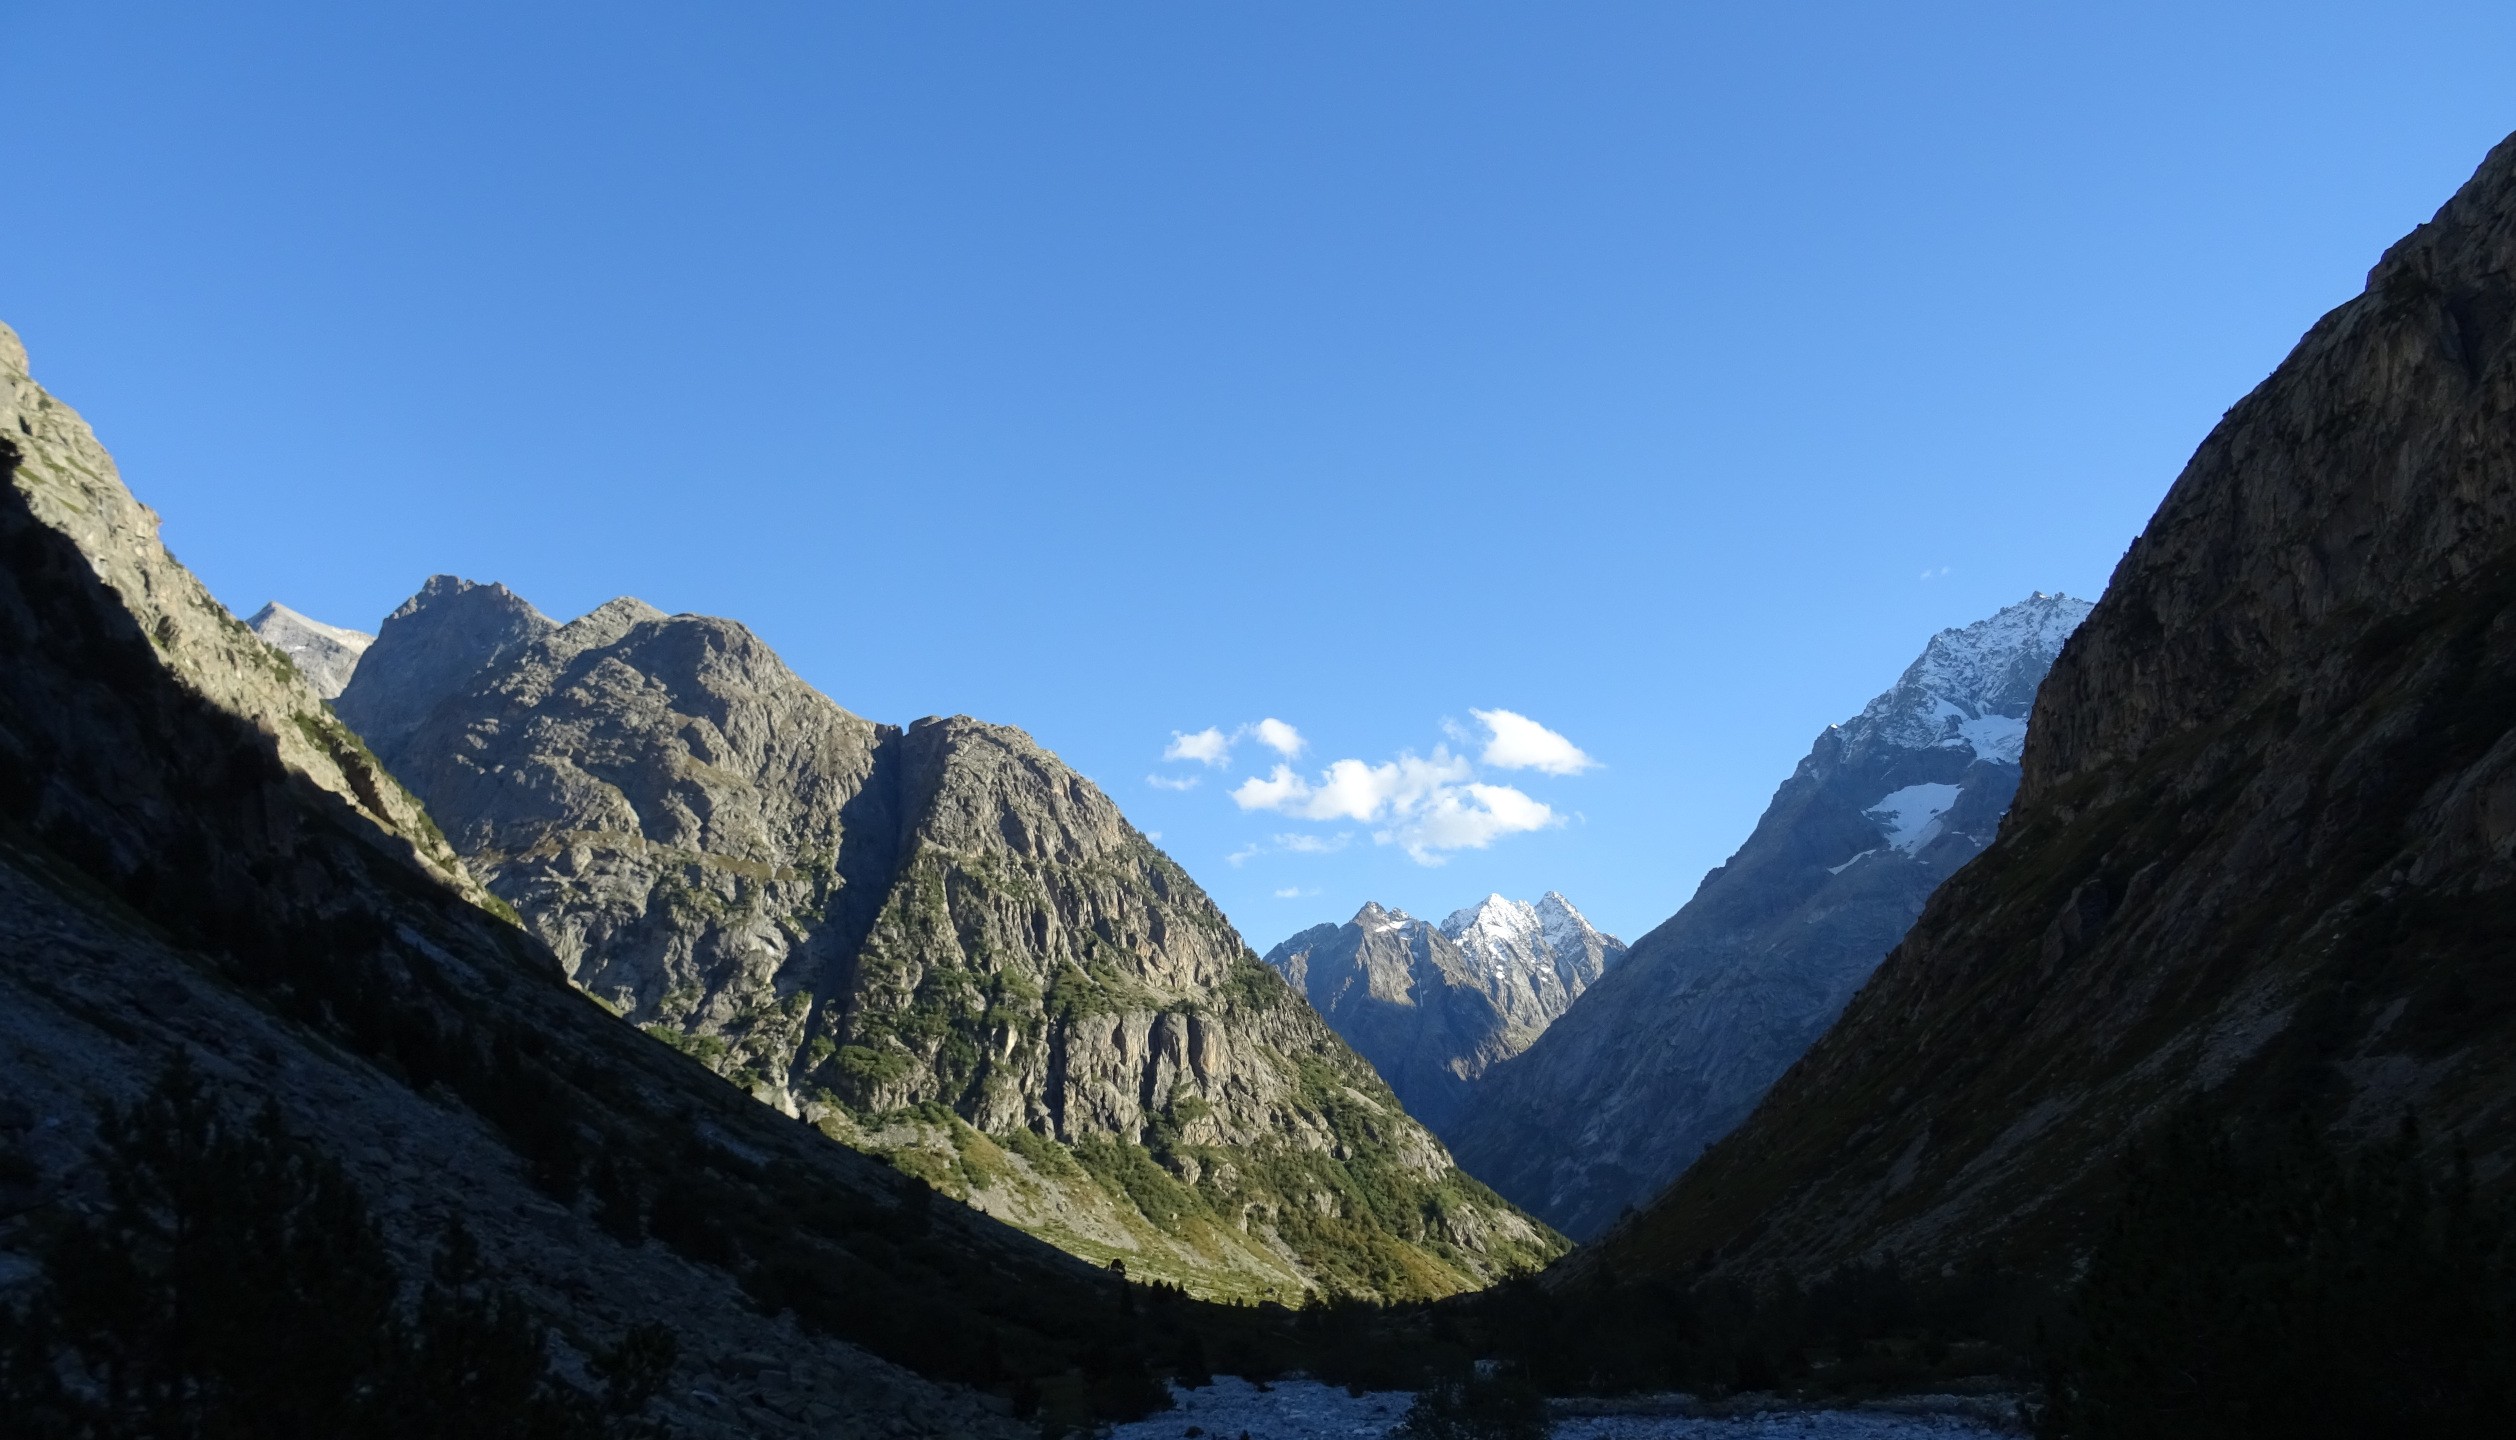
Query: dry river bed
[[1235, 1409]]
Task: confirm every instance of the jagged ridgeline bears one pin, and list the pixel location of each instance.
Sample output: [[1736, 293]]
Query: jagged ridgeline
[[938, 944]]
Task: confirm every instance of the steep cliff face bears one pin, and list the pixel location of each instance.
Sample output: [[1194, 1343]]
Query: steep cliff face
[[1672, 1049], [937, 943], [2263, 847], [1434, 1007]]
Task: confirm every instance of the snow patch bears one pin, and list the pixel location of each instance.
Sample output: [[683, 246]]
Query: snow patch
[[1993, 737], [1910, 817]]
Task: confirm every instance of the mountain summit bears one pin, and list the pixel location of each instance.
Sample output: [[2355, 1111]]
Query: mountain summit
[[1434, 1007], [937, 943], [1671, 1049]]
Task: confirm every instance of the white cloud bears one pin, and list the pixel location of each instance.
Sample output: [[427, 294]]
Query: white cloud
[[1165, 782], [1209, 746], [1521, 743], [1468, 817], [1283, 739], [1244, 855], [1295, 892], [1354, 790]]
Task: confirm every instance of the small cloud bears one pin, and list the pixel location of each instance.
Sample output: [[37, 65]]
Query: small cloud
[[1209, 746], [1165, 782], [1313, 844], [1244, 855], [1283, 739], [1521, 743], [1294, 892], [1935, 574]]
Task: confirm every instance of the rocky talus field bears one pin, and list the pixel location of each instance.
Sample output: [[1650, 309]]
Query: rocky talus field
[[938, 944], [1674, 1046], [2263, 853]]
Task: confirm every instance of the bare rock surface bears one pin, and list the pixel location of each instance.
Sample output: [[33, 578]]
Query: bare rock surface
[[1672, 1048], [2263, 854], [938, 943]]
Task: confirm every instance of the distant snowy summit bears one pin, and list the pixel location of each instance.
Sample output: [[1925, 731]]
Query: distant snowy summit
[[1433, 1006], [327, 655]]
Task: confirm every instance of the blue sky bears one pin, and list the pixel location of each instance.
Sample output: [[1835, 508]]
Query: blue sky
[[1659, 374]]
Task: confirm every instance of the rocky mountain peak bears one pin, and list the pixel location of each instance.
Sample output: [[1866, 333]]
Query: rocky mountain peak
[[433, 645], [326, 655]]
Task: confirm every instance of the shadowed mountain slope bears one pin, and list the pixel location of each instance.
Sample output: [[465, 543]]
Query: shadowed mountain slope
[[938, 944], [2263, 847]]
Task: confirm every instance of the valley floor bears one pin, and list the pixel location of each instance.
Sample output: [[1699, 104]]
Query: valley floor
[[1235, 1409]]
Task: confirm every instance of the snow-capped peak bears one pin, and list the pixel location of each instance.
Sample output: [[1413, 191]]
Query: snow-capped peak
[[1973, 685]]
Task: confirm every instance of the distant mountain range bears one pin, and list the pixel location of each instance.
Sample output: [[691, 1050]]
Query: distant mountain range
[[936, 943], [1434, 1007], [1671, 1048]]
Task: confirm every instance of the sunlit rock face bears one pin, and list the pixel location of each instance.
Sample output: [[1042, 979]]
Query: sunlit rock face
[[1672, 1047]]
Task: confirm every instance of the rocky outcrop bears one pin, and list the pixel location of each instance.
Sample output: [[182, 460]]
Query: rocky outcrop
[[1434, 1007], [1673, 1048], [326, 655], [2263, 855], [936, 942]]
